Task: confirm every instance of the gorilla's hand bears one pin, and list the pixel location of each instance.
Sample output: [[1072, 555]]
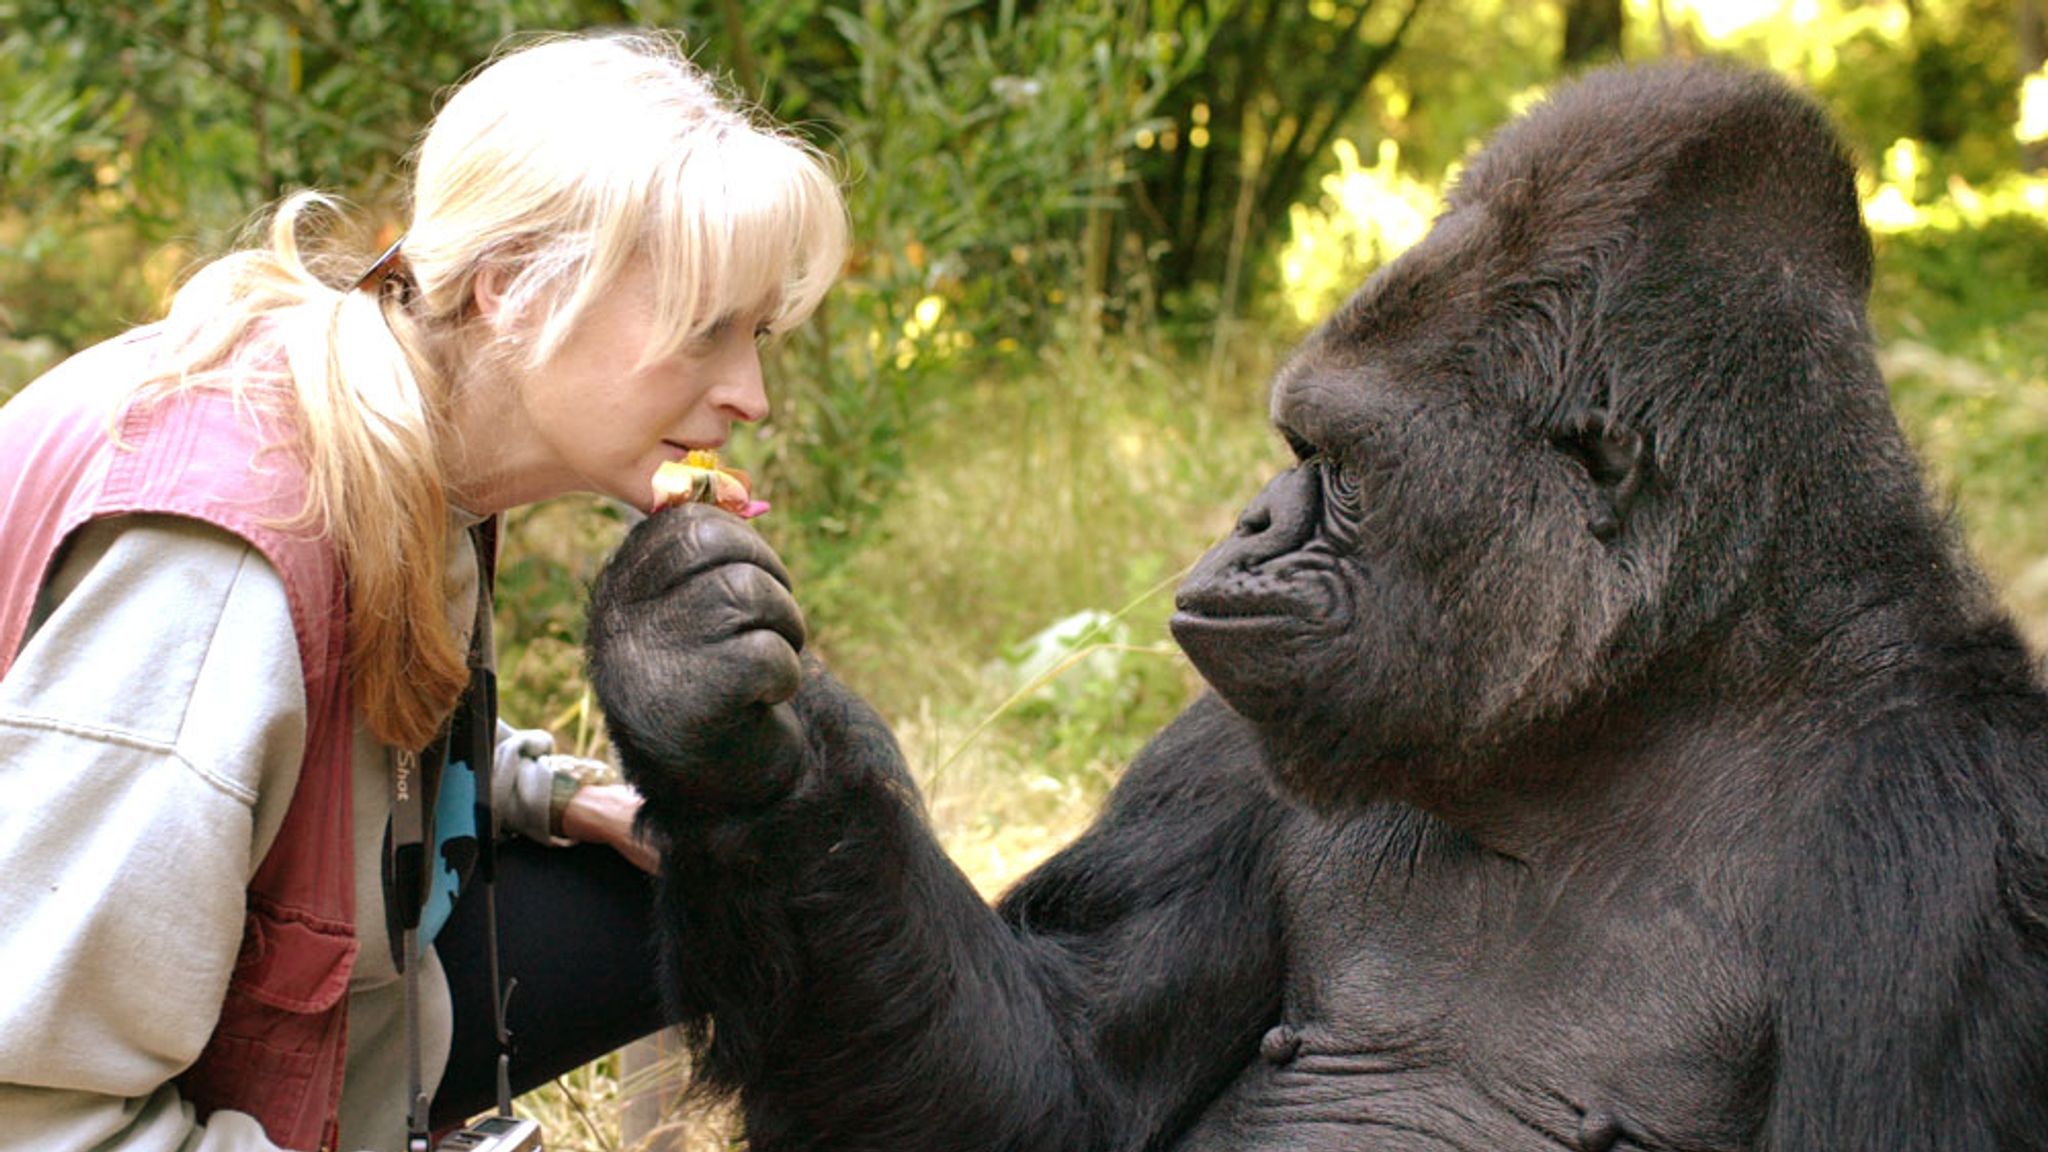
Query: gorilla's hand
[[693, 654]]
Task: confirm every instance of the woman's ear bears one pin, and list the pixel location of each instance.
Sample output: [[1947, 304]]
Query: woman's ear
[[487, 292]]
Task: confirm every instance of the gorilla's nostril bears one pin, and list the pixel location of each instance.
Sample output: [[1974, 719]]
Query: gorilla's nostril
[[1255, 520]]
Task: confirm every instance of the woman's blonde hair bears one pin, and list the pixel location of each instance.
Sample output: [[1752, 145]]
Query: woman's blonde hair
[[560, 164]]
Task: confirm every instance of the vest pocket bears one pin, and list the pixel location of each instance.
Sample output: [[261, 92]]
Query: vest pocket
[[292, 960], [278, 1050]]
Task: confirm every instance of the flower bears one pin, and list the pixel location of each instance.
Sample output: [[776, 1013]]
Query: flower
[[699, 478]]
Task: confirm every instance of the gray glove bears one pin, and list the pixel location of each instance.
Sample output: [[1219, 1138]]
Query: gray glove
[[531, 784]]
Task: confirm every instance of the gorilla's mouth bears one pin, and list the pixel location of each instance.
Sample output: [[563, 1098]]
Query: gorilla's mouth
[[1211, 638], [1237, 625], [1302, 598], [1238, 630], [1251, 652], [1208, 604]]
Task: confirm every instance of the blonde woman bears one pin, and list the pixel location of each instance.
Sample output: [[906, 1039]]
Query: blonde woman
[[239, 589]]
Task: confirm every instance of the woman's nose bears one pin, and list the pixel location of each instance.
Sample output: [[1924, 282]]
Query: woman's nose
[[742, 391]]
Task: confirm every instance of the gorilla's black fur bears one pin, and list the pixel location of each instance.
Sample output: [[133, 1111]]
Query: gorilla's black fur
[[1609, 748]]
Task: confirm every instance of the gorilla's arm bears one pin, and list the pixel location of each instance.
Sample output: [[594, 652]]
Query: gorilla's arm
[[835, 968], [1905, 940], [863, 996]]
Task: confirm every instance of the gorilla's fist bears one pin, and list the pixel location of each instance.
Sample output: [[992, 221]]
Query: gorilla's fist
[[693, 654]]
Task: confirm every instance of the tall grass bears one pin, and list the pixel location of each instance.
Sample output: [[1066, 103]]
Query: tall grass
[[1076, 486]]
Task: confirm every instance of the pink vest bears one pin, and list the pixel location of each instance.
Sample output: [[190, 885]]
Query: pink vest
[[279, 1047]]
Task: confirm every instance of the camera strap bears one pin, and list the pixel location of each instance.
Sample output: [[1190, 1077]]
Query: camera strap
[[468, 739], [407, 883]]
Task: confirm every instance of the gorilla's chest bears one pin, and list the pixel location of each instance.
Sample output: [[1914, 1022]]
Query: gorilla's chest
[[1437, 998]]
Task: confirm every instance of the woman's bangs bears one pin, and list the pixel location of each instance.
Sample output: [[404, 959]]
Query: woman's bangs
[[752, 229]]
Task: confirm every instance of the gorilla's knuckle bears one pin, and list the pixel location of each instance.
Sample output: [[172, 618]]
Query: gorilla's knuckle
[[773, 670]]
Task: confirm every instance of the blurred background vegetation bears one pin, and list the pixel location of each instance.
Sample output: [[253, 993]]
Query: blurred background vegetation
[[1087, 229]]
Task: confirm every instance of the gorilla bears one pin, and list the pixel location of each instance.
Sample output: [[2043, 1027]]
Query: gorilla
[[1608, 746]]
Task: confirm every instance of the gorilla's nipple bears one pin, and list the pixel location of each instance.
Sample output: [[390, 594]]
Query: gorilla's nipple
[[1601, 1129], [1280, 1045]]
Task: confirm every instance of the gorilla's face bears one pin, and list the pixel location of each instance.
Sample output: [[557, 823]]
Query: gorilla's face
[[1554, 450], [1449, 557]]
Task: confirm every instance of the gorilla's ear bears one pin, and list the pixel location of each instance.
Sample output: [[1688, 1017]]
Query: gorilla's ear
[[1616, 458]]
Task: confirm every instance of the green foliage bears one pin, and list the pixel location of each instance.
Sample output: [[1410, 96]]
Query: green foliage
[[551, 554], [1086, 695], [1967, 356], [981, 154], [1367, 215], [1942, 72], [146, 135], [1964, 82], [1972, 288], [60, 178], [1463, 71], [1083, 481], [1249, 123]]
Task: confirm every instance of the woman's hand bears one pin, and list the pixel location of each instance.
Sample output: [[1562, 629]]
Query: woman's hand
[[604, 814]]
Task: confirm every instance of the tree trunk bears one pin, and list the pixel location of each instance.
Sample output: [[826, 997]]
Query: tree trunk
[[1592, 32], [2030, 40], [1278, 78], [744, 70]]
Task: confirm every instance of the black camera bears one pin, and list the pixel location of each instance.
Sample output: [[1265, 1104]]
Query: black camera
[[493, 1134]]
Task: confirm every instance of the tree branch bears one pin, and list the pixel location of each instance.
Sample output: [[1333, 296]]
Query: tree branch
[[257, 89], [744, 69], [318, 26]]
